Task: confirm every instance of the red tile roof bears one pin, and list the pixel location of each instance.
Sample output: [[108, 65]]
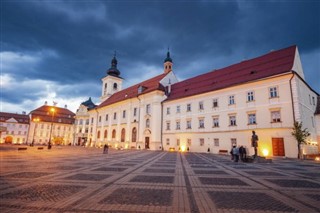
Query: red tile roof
[[61, 115], [273, 63], [149, 85], [23, 119]]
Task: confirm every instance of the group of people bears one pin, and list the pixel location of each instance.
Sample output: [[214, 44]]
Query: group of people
[[105, 149], [241, 151]]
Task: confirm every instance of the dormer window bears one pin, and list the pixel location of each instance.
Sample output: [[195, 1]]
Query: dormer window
[[141, 89]]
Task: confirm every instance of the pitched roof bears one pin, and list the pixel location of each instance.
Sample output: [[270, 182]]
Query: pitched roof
[[21, 118], [89, 104], [61, 115], [149, 85], [273, 63]]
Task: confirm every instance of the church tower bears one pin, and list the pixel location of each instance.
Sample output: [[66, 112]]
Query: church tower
[[112, 83], [167, 63]]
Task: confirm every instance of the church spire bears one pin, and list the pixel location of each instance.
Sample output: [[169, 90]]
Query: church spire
[[168, 63], [113, 70]]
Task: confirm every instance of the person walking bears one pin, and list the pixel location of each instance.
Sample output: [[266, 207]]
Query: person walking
[[241, 152], [104, 148], [235, 151], [254, 143]]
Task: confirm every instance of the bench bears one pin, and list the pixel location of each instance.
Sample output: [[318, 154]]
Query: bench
[[223, 152], [40, 147], [22, 148]]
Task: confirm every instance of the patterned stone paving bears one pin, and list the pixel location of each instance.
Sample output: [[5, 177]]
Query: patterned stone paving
[[248, 201], [80, 180], [136, 196]]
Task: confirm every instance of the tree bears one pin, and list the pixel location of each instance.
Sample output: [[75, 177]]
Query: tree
[[300, 135]]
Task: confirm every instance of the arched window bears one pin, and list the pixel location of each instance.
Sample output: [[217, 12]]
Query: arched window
[[115, 86], [98, 134], [105, 133], [114, 134], [147, 123], [134, 135], [105, 86], [123, 135]]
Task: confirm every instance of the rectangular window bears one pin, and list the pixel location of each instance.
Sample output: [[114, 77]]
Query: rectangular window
[[107, 117], [216, 141], [250, 96], [233, 141], [178, 142], [178, 125], [92, 120], [232, 120], [252, 118], [188, 107], [201, 107], [168, 126], [135, 111], [201, 140], [275, 117], [201, 123], [148, 109], [215, 121], [99, 119], [215, 103], [189, 142], [313, 100], [168, 142], [189, 124], [168, 110], [178, 109], [124, 114], [114, 116], [273, 92], [231, 100]]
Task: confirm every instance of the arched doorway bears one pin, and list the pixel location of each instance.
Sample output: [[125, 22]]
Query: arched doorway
[[134, 135], [8, 139], [123, 135]]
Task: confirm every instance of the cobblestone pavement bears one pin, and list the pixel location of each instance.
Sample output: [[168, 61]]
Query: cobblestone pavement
[[77, 179]]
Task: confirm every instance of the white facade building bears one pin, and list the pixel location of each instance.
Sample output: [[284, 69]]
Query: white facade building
[[212, 111], [14, 128]]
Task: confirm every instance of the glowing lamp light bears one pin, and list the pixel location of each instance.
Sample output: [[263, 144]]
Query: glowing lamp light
[[183, 148], [265, 152], [126, 146], [317, 159], [116, 146]]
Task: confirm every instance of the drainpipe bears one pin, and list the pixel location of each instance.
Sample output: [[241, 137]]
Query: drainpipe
[[294, 117], [138, 121], [96, 126], [161, 128]]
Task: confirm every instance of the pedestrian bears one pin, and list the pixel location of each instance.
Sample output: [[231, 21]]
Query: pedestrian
[[245, 153], [107, 148], [254, 143], [241, 152], [235, 151], [104, 148], [231, 153]]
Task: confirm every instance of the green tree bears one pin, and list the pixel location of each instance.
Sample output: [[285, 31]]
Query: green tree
[[300, 135]]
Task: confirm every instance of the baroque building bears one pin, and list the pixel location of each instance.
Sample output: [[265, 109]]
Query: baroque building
[[210, 112], [14, 128]]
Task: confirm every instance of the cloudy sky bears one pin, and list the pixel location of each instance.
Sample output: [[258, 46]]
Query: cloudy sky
[[59, 50]]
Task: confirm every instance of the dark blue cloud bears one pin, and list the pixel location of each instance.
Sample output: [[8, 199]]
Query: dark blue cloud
[[72, 43]]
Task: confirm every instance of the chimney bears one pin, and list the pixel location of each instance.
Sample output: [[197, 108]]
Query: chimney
[[46, 103], [23, 112], [66, 106]]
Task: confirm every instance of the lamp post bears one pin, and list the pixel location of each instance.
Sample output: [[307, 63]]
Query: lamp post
[[35, 120], [52, 111]]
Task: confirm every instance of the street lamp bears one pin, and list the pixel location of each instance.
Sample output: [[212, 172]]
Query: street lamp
[[52, 111], [35, 120]]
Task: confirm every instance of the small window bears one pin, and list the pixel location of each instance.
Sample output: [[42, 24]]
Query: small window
[[178, 109], [114, 134], [168, 142], [189, 142], [168, 110], [135, 111], [123, 114], [148, 123], [215, 121], [231, 100], [216, 141], [250, 96], [275, 116], [252, 118], [168, 126], [233, 141], [201, 123], [148, 109], [98, 134], [114, 116], [189, 124], [105, 134], [178, 125], [99, 118], [273, 92], [201, 105], [201, 140], [215, 103], [313, 100], [178, 142], [232, 120], [188, 107], [115, 86], [91, 120], [107, 117]]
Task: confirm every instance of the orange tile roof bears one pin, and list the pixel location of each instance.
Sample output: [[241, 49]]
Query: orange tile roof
[[150, 85], [273, 63], [61, 115], [24, 119]]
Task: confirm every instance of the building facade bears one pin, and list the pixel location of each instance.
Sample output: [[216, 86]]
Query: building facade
[[14, 128], [51, 123]]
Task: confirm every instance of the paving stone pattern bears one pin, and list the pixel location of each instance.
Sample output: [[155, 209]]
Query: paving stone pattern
[[80, 180]]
